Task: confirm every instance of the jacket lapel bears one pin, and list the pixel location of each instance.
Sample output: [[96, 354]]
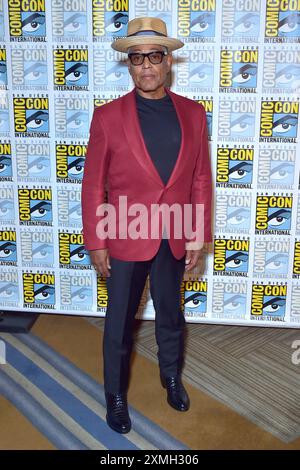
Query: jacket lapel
[[136, 142]]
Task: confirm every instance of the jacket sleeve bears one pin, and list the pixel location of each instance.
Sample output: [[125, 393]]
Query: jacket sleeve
[[201, 191], [93, 182]]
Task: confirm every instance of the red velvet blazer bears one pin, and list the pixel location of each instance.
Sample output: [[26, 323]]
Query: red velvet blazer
[[117, 160]]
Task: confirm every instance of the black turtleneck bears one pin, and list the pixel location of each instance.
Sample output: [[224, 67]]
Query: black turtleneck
[[161, 132]]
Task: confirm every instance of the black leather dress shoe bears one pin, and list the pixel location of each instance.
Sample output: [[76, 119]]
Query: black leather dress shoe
[[177, 394], [117, 416]]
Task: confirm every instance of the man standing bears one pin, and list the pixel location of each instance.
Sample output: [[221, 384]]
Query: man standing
[[150, 148]]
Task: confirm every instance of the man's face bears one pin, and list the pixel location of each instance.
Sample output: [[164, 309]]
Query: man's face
[[149, 77]]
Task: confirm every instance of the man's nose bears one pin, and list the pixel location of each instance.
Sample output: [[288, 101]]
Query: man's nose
[[146, 63]]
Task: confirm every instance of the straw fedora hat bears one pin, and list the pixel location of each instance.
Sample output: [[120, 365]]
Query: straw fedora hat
[[146, 30]]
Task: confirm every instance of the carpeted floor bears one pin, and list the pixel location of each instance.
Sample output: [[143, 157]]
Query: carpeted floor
[[249, 369], [52, 395]]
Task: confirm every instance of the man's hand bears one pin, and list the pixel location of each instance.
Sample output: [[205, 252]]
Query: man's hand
[[191, 259], [100, 261]]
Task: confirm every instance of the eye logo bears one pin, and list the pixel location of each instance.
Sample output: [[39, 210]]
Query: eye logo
[[8, 249], [289, 24], [240, 172], [195, 297], [9, 292], [70, 69], [279, 120], [31, 116], [5, 167], [242, 124], [35, 206], [75, 24], [37, 121], [38, 166], [35, 73], [273, 214], [287, 76], [39, 289], [234, 304], [231, 257], [246, 25], [73, 253], [116, 23], [196, 20], [238, 69], [27, 20], [268, 301], [42, 254]]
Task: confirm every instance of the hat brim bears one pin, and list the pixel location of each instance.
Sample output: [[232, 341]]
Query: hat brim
[[123, 44]]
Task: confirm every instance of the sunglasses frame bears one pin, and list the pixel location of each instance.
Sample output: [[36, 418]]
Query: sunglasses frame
[[147, 54]]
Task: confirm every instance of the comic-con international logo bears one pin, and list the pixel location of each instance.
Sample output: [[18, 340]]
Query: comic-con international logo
[[195, 69], [195, 297], [69, 162], [8, 247], [76, 291], [240, 21], [273, 214], [35, 206], [29, 68], [37, 246], [27, 21], [231, 257], [110, 72], [238, 70], [234, 167], [39, 290], [31, 116], [102, 295], [69, 213], [296, 261], [5, 161], [229, 299], [196, 20], [110, 18], [70, 69], [281, 70], [3, 69], [282, 23], [72, 252], [271, 257], [69, 20], [276, 167], [268, 301], [236, 119], [279, 121], [233, 212], [33, 160], [71, 116], [9, 287]]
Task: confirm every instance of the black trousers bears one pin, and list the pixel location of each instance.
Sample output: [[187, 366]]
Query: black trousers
[[125, 287]]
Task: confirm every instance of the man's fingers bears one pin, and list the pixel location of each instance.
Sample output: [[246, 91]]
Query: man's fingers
[[191, 260], [102, 269]]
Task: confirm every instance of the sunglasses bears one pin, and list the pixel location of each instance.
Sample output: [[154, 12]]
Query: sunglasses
[[155, 57]]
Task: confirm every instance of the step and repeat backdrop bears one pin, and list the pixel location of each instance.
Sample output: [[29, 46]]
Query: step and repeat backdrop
[[241, 60]]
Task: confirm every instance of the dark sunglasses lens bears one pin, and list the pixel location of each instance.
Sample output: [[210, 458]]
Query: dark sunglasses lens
[[156, 57], [136, 59]]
